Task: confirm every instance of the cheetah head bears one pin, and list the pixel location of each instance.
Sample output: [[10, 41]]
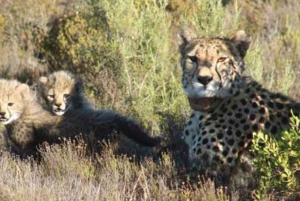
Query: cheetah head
[[60, 90], [13, 100], [212, 67]]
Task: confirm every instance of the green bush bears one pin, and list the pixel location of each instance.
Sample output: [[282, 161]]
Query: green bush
[[278, 160], [81, 43], [149, 60], [127, 53]]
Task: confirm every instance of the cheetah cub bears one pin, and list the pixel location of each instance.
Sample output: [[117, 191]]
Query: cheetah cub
[[28, 124], [62, 91]]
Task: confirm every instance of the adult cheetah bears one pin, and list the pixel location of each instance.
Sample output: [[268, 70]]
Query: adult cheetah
[[228, 107]]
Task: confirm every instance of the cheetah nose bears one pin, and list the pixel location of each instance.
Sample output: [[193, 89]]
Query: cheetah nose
[[57, 104], [204, 79], [2, 113]]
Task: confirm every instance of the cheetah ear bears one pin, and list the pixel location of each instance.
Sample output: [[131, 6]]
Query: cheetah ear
[[43, 80], [242, 41], [187, 35], [78, 84], [23, 89]]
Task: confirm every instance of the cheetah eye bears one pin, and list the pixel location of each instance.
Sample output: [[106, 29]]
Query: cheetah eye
[[193, 58], [10, 104], [51, 96], [66, 95], [222, 59]]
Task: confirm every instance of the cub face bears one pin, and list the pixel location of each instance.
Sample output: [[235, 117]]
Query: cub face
[[59, 91], [212, 67], [13, 100]]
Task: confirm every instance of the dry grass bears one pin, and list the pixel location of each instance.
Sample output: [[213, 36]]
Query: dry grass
[[66, 173], [132, 66]]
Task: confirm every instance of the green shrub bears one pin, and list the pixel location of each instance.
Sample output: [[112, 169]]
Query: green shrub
[[127, 53], [254, 66], [278, 160], [149, 65], [81, 43], [208, 17]]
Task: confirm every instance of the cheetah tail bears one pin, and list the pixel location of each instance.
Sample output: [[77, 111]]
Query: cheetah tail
[[135, 132], [127, 126]]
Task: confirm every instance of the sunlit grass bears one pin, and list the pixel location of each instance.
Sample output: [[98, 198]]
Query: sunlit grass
[[132, 67]]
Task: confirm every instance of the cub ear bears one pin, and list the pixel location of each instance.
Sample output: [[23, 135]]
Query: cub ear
[[187, 35], [43, 80], [78, 84], [23, 89], [242, 41]]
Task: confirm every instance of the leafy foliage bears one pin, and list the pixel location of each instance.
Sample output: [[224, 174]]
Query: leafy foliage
[[80, 43], [278, 160], [127, 53]]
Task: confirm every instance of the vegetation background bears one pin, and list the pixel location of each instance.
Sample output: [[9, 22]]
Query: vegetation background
[[127, 53]]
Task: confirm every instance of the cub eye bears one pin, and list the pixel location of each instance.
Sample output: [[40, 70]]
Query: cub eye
[[222, 59], [193, 58], [51, 96], [66, 95], [10, 104]]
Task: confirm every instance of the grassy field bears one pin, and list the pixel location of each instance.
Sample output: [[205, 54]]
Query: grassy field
[[127, 53]]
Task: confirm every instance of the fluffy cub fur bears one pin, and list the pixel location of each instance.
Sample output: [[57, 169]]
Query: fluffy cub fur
[[28, 124], [62, 91]]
